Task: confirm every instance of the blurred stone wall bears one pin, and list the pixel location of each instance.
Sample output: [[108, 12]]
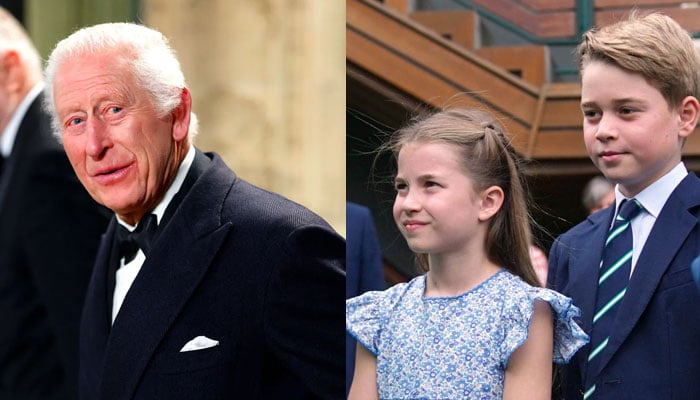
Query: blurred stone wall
[[267, 79], [268, 84]]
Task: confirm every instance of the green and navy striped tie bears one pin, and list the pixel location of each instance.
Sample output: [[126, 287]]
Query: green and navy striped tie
[[613, 277]]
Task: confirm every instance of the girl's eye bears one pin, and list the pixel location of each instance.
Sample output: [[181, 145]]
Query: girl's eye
[[400, 186]]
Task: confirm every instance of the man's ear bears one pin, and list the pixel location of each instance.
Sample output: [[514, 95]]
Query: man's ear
[[12, 75], [181, 116], [491, 202], [688, 111]]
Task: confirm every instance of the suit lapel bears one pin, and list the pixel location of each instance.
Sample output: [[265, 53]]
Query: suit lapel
[[585, 291], [166, 281], [670, 230]]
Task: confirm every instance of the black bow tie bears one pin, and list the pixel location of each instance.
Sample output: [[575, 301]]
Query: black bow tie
[[141, 238]]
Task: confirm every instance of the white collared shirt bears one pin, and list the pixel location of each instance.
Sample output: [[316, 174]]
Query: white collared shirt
[[7, 138], [652, 198], [127, 273]]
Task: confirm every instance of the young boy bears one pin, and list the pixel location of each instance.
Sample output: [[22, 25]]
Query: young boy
[[639, 89]]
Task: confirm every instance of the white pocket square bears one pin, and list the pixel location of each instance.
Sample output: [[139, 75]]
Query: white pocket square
[[199, 343]]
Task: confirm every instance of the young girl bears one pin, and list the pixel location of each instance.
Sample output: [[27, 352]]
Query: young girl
[[475, 325]]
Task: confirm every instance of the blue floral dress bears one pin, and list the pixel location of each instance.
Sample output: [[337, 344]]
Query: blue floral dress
[[454, 347]]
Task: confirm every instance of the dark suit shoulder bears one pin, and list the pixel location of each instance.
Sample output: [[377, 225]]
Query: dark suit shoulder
[[249, 203], [584, 228]]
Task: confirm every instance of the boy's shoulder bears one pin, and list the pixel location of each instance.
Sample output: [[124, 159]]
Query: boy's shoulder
[[591, 222]]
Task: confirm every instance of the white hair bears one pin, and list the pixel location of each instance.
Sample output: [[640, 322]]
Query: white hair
[[143, 50], [13, 36], [595, 191]]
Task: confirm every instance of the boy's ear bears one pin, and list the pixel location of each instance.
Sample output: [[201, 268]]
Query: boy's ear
[[491, 202], [689, 112]]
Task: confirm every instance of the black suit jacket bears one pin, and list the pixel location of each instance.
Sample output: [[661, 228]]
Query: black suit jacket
[[237, 264], [49, 232]]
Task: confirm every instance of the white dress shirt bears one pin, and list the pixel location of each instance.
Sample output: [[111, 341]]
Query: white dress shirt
[[8, 135], [126, 274], [652, 198]]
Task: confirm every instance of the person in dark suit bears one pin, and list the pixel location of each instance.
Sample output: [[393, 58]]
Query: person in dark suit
[[364, 268], [49, 232], [639, 97], [205, 286]]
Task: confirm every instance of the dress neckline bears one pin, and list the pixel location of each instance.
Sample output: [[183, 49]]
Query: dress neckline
[[422, 282]]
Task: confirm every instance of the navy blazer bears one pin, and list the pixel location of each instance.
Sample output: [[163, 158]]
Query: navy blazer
[[364, 258], [654, 348], [364, 268], [50, 228], [260, 274]]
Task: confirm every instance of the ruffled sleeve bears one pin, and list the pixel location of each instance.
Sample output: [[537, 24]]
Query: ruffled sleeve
[[568, 336], [363, 319]]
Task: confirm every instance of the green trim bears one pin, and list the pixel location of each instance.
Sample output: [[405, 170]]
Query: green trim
[[518, 30], [585, 16], [585, 19], [615, 267], [610, 304], [589, 392], [598, 349]]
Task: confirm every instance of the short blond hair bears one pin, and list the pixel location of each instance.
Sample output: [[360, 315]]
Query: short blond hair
[[652, 45]]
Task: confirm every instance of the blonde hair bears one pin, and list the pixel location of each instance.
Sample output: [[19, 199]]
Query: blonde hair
[[654, 46], [490, 160]]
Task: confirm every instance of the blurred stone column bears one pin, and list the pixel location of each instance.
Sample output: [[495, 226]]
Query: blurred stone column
[[268, 85]]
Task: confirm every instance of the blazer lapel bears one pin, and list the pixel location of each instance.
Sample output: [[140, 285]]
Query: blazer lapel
[[584, 293], [670, 230], [166, 281]]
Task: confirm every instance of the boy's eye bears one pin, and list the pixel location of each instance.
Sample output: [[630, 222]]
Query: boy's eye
[[626, 110], [400, 186], [590, 113]]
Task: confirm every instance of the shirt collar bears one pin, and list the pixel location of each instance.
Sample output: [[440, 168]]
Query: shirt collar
[[7, 138], [654, 196], [172, 190]]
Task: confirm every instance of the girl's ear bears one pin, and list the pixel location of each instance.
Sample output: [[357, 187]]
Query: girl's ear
[[491, 202]]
